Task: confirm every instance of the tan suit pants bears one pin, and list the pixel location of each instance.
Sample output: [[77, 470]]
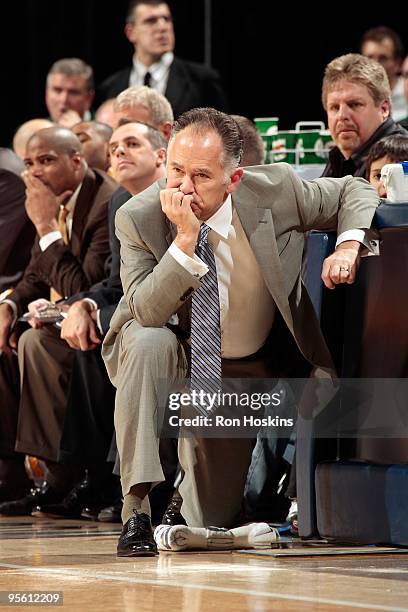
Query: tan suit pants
[[215, 469]]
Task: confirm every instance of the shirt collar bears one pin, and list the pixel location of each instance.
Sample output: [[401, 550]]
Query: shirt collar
[[157, 70], [70, 205], [220, 222]]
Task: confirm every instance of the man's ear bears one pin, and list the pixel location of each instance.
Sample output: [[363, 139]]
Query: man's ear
[[385, 109], [165, 129], [160, 156], [78, 160], [130, 32], [235, 179]]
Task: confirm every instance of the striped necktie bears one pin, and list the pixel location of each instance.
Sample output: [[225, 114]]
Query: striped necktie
[[205, 324]]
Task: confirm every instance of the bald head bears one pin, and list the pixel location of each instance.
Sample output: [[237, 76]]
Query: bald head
[[94, 138], [61, 139], [54, 156], [25, 131], [105, 113]]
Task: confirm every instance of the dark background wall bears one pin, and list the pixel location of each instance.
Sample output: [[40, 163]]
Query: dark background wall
[[271, 55]]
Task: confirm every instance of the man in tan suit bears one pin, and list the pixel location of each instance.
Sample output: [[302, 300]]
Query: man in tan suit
[[256, 219]]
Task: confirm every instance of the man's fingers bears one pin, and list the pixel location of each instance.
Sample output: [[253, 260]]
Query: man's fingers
[[326, 275], [93, 336], [166, 195], [13, 340]]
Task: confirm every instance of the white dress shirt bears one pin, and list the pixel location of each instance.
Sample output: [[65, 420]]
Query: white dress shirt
[[159, 72]]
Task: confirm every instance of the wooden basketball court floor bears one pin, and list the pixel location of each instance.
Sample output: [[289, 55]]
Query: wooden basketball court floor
[[78, 558]]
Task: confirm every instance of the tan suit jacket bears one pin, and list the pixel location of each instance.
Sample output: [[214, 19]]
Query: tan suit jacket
[[275, 208]]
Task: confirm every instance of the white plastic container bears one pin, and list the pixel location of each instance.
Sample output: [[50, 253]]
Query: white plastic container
[[395, 179]]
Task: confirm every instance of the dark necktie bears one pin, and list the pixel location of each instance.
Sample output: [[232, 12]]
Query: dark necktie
[[147, 79], [205, 324]]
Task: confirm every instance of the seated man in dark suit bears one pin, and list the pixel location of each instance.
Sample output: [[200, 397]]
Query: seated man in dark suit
[[68, 256], [16, 231], [138, 157], [88, 426], [149, 28]]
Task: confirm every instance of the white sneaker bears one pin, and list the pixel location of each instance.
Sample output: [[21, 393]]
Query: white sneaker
[[181, 537], [293, 511]]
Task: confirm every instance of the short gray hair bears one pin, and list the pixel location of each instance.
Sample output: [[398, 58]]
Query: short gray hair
[[205, 119], [359, 69], [158, 106], [73, 66]]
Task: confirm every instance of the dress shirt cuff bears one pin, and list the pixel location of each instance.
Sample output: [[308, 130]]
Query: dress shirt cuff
[[13, 306], [98, 313], [48, 239], [195, 266], [98, 322], [92, 302], [371, 246]]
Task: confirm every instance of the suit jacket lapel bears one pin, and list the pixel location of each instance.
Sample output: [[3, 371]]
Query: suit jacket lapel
[[84, 202], [259, 228]]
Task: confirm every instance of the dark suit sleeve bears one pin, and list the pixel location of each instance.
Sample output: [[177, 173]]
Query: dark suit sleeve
[[58, 267], [113, 85], [108, 293], [13, 216], [65, 272]]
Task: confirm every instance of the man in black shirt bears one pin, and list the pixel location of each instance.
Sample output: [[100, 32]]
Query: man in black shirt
[[356, 95]]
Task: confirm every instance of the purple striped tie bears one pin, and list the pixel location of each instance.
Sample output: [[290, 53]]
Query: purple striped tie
[[205, 324]]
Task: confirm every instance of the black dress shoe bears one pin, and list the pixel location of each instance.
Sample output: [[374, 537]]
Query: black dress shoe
[[136, 539], [111, 514], [172, 515], [25, 505], [71, 506]]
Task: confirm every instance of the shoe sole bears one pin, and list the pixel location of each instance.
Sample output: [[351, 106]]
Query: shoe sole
[[133, 554]]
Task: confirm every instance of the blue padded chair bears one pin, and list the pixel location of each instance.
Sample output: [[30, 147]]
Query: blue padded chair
[[358, 491]]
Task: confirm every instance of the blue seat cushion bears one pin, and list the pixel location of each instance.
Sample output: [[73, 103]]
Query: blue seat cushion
[[362, 503]]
